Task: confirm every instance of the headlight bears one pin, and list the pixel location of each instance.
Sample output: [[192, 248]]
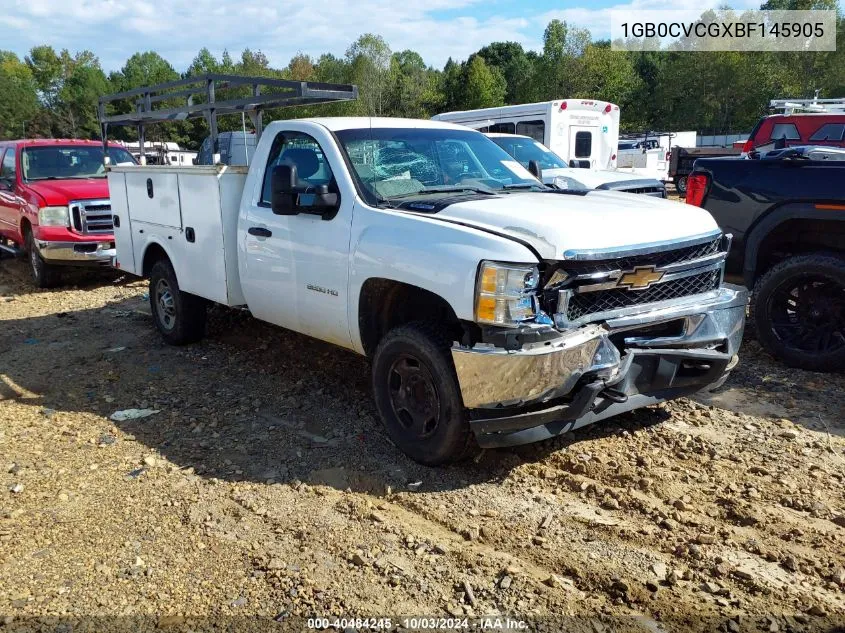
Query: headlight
[[53, 216], [504, 293]]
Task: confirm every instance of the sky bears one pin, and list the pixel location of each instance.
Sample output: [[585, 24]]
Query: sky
[[177, 29]]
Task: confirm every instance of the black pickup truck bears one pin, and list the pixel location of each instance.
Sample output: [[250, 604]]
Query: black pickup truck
[[786, 211]]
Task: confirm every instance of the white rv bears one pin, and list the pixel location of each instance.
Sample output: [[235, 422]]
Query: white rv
[[583, 132]]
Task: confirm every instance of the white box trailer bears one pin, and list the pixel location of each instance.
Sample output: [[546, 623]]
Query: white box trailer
[[574, 129]]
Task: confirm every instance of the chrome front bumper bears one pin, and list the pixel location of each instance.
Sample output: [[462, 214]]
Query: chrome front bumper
[[582, 376], [77, 253]]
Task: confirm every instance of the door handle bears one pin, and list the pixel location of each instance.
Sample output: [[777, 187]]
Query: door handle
[[260, 231]]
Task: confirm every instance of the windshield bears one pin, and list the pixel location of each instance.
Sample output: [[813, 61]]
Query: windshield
[[59, 162], [525, 150], [415, 162]]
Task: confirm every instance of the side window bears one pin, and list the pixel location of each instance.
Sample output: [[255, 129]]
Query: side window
[[829, 132], [583, 144], [534, 129], [7, 171], [301, 150], [503, 128], [784, 130]]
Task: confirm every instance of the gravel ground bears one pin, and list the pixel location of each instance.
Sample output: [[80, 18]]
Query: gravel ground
[[263, 491]]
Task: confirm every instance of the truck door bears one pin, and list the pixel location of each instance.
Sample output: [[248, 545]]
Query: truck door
[[294, 269], [9, 201], [581, 143]]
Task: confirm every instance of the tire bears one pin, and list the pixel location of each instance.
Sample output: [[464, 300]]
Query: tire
[[681, 185], [798, 311], [43, 274], [179, 316], [418, 397]]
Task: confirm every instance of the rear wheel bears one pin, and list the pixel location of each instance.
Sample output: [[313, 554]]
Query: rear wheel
[[179, 316], [43, 274], [681, 185], [799, 312], [417, 395]]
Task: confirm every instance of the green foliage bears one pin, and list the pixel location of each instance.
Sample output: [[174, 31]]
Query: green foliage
[[18, 96], [52, 93]]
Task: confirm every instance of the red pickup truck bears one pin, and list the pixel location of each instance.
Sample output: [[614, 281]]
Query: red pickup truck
[[54, 204]]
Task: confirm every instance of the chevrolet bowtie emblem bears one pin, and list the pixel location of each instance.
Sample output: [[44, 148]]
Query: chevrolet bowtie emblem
[[640, 278]]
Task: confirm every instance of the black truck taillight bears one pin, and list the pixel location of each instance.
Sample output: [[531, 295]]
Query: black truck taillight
[[697, 188]]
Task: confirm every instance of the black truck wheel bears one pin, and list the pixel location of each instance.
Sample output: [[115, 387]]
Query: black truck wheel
[[179, 316], [799, 312], [43, 274], [418, 397], [681, 185]]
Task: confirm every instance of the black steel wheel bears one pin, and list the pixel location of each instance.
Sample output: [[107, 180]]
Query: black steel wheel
[[413, 396], [417, 394], [799, 312]]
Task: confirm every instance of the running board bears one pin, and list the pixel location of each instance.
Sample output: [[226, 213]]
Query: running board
[[12, 250]]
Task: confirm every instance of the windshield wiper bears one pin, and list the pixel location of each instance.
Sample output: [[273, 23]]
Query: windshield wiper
[[423, 192], [526, 186]]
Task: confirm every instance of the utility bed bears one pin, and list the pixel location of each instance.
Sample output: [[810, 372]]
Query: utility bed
[[197, 205]]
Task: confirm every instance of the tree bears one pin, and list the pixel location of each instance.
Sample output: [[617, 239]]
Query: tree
[[485, 86], [413, 88], [607, 75], [369, 56], [301, 68], [18, 97], [514, 64], [559, 64]]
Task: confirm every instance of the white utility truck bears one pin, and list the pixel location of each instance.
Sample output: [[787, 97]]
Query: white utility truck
[[554, 171], [584, 132], [495, 310]]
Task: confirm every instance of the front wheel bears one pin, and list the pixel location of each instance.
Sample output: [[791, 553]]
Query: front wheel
[[418, 397], [43, 274], [681, 185], [179, 316], [799, 312]]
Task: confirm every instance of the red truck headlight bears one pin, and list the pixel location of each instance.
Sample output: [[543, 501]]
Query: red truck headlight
[[53, 216]]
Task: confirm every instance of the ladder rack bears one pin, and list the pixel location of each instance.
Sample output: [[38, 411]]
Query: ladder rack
[[789, 106]]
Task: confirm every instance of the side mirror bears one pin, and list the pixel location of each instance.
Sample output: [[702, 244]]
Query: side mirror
[[536, 171], [282, 190], [5, 185], [780, 143], [286, 198]]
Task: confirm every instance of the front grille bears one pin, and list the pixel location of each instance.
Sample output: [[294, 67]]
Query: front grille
[[586, 303], [91, 216], [665, 258]]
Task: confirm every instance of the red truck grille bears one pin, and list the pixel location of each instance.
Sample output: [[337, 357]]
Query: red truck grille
[[91, 216]]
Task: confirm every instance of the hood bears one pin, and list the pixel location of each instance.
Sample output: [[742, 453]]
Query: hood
[[598, 220], [590, 177], [60, 192]]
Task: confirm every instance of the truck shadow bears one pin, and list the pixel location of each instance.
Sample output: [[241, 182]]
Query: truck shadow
[[15, 273], [252, 402]]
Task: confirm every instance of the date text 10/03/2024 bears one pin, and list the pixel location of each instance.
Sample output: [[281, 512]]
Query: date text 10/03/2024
[[492, 623]]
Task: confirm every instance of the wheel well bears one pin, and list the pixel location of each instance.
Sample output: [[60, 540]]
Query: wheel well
[[25, 227], [798, 236], [153, 253], [385, 304]]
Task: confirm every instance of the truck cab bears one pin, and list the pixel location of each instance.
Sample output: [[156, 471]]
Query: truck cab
[[55, 204]]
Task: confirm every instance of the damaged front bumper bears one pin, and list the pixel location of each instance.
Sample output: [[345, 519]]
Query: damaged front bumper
[[591, 373]]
